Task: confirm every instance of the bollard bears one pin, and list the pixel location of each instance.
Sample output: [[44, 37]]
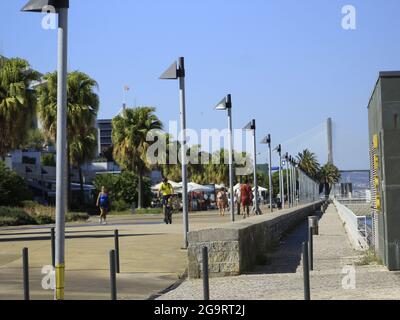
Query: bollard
[[314, 223], [311, 248], [206, 283], [113, 276], [306, 272], [25, 266], [53, 247], [116, 245]]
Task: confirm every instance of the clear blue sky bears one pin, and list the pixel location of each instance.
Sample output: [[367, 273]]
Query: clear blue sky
[[287, 63]]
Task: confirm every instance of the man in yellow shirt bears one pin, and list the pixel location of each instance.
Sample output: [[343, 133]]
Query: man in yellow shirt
[[166, 191]]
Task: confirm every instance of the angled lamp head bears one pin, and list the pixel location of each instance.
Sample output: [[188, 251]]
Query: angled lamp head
[[39, 5], [266, 140], [251, 125], [278, 149], [171, 73], [225, 103], [222, 105]]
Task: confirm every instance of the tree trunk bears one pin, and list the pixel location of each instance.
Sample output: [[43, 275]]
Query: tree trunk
[[140, 190], [82, 191], [327, 190]]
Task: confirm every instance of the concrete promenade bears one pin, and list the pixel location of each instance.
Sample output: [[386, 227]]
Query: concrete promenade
[[282, 277], [151, 256]]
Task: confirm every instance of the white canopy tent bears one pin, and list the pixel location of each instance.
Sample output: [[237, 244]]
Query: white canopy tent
[[261, 189], [194, 187]]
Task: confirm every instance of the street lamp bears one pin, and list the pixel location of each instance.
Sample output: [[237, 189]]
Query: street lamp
[[296, 169], [267, 140], [292, 180], [288, 180], [175, 72], [226, 104], [278, 149], [61, 7], [252, 126]]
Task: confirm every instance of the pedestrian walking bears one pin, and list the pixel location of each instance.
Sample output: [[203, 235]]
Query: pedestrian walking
[[103, 202], [246, 197], [222, 201], [238, 200]]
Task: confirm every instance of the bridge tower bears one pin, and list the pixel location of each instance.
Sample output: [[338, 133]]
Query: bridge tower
[[330, 140]]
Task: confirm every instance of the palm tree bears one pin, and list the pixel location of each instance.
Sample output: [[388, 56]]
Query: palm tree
[[217, 171], [328, 175], [17, 102], [308, 163], [34, 140], [130, 131], [82, 109], [83, 103], [81, 149], [170, 167]]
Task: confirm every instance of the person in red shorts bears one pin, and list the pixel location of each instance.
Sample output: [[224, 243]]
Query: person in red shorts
[[246, 198]]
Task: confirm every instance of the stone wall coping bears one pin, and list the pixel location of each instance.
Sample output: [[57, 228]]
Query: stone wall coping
[[230, 231]]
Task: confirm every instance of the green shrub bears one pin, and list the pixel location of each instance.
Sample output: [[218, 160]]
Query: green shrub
[[15, 217], [13, 189], [44, 219], [8, 222], [42, 214], [369, 257], [48, 160], [123, 187], [149, 211], [34, 214], [119, 205], [76, 216]]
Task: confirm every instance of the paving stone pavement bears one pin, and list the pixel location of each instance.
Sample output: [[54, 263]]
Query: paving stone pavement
[[282, 278]]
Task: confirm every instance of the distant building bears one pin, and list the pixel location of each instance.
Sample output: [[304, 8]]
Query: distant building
[[104, 128], [353, 184]]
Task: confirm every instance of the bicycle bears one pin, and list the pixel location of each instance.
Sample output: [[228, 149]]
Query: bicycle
[[168, 211]]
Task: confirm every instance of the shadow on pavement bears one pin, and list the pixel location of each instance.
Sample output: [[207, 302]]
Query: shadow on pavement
[[100, 236], [288, 256]]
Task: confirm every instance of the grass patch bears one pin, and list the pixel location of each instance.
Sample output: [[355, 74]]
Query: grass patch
[[369, 258], [149, 211], [76, 216], [34, 214], [137, 212], [10, 217]]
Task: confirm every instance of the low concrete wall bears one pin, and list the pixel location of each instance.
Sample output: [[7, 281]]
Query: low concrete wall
[[236, 247]]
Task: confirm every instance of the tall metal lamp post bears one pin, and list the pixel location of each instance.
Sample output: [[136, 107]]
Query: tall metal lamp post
[[281, 185], [252, 126], [267, 140], [292, 180], [226, 104], [288, 180], [175, 72], [61, 7]]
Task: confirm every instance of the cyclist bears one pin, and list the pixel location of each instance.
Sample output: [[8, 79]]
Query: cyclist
[[166, 191]]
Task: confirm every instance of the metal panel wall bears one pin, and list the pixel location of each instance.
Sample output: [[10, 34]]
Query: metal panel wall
[[384, 124]]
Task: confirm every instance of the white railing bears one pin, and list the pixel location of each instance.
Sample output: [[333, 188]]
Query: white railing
[[356, 226]]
